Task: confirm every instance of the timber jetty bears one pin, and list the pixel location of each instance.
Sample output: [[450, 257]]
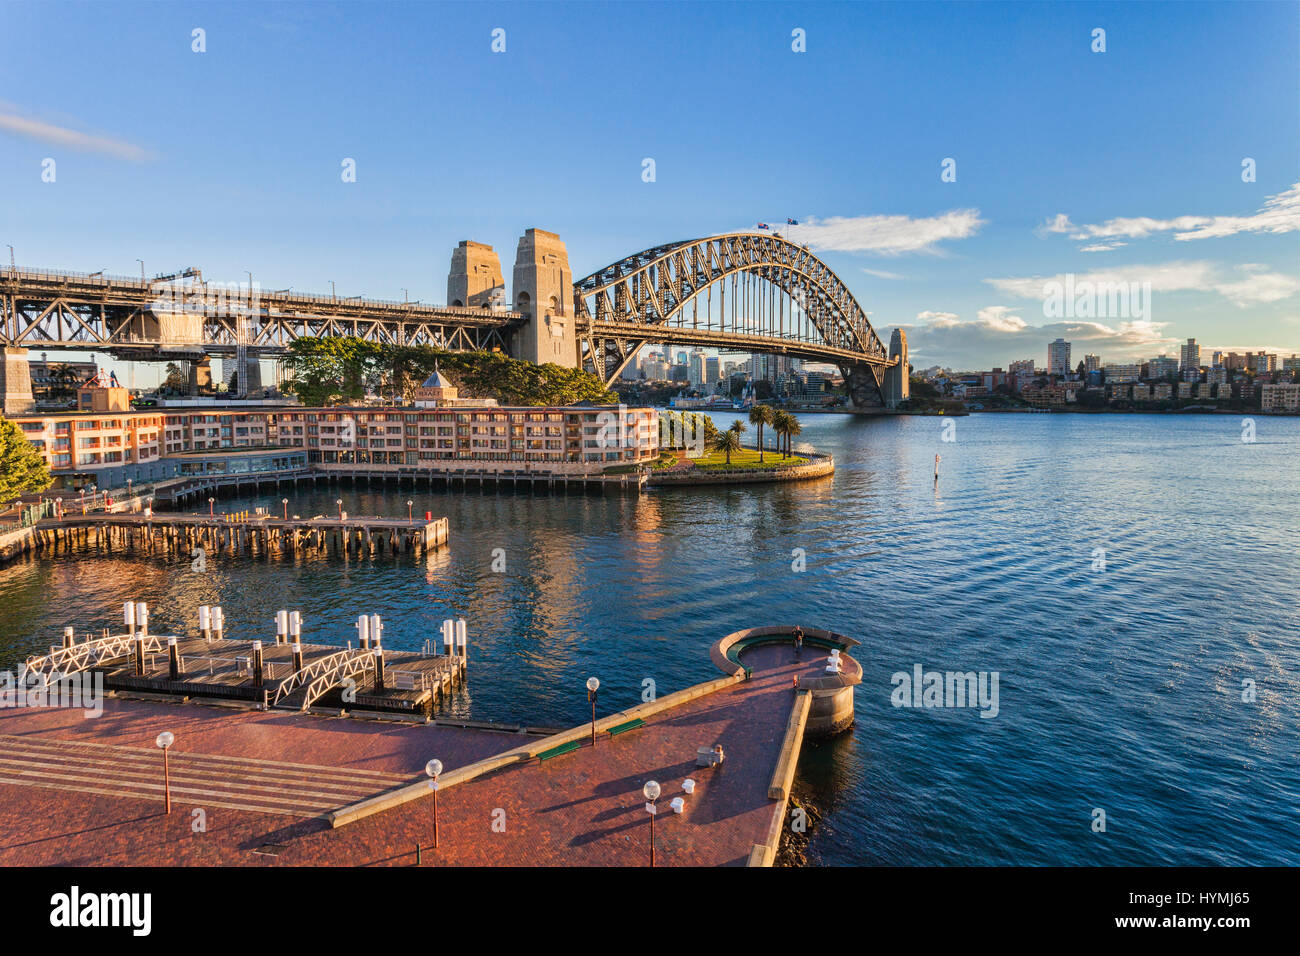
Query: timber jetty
[[245, 533], [284, 673]]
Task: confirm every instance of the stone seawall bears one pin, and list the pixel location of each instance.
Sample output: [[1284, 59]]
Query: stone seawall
[[816, 467]]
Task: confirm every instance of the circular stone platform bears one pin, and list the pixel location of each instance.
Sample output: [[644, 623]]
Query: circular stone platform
[[832, 694]]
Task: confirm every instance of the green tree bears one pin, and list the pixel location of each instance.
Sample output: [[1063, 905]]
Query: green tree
[[792, 428], [22, 469], [781, 423], [729, 441], [761, 415]]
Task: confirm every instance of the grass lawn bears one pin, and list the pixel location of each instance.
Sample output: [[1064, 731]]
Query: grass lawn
[[747, 460]]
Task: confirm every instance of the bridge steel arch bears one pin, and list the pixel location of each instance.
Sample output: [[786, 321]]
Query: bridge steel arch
[[653, 296]]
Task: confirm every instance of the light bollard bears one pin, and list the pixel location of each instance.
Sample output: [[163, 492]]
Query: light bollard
[[448, 636], [295, 627], [376, 630], [205, 623], [462, 639], [164, 741], [281, 626], [363, 632]]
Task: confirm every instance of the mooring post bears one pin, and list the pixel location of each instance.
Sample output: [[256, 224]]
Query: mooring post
[[363, 632], [281, 626], [297, 657], [67, 637], [218, 623], [462, 639], [295, 627], [379, 668], [205, 623], [257, 663], [173, 659]]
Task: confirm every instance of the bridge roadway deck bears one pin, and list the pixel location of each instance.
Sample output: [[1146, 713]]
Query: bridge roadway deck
[[583, 808]]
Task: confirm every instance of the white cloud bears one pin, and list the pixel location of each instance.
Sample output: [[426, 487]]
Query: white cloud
[[1249, 284], [1102, 246], [882, 274], [1279, 214], [997, 336], [888, 235], [73, 139]]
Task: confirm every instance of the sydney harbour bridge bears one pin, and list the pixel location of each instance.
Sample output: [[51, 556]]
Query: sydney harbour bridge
[[737, 292]]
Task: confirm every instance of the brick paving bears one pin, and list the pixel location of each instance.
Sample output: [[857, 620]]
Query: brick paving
[[583, 808]]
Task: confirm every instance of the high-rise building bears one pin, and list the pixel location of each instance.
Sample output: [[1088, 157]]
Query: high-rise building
[[1091, 363], [696, 365], [1058, 358], [1189, 356], [711, 374]]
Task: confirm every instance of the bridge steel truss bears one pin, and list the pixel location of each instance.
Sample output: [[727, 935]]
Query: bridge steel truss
[[183, 316], [654, 296]]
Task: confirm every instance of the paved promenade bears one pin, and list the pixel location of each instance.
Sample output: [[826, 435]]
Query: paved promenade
[[78, 791]]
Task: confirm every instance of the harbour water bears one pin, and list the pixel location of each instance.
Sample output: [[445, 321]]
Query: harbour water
[[1124, 576]]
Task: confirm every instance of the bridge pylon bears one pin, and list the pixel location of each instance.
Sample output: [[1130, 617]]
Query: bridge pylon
[[543, 290]]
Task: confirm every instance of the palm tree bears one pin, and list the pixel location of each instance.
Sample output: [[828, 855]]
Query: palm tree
[[792, 428], [729, 441], [780, 424], [761, 415]]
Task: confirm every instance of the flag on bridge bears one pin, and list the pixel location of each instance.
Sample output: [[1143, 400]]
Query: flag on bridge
[[792, 222], [763, 225]]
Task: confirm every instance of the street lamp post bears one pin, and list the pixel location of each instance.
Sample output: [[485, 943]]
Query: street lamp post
[[339, 502], [433, 768], [651, 793], [593, 685], [211, 502], [164, 741], [410, 517], [285, 502]]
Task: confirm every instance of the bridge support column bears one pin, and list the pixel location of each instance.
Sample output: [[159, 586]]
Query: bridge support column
[[200, 376], [543, 289], [897, 382], [16, 382]]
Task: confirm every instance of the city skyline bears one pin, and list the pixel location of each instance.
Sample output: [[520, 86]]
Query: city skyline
[[243, 172]]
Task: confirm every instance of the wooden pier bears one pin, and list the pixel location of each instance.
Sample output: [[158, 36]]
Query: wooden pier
[[269, 675], [245, 533]]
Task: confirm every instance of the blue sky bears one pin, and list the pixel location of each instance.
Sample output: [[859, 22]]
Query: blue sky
[[1121, 165]]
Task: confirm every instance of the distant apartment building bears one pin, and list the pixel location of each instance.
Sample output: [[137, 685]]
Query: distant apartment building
[[1263, 363], [1216, 375], [1189, 356], [1059, 393], [1280, 398], [1291, 364], [1121, 374], [1203, 390], [1162, 366], [1058, 358], [1091, 363], [1162, 391], [711, 372]]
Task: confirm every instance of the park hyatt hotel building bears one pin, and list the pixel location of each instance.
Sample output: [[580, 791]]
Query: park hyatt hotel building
[[105, 442]]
